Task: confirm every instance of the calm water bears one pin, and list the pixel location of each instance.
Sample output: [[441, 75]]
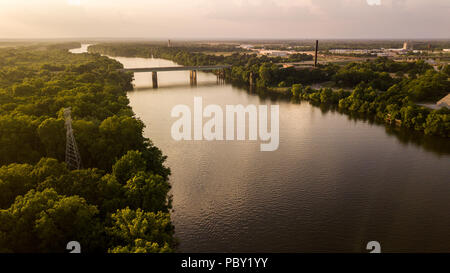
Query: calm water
[[334, 184]]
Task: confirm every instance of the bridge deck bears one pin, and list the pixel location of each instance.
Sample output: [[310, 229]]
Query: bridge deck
[[176, 68]]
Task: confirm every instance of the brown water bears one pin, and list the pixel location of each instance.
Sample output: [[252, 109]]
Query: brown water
[[334, 184]]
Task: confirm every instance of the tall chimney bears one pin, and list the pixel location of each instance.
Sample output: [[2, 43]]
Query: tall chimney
[[317, 49]]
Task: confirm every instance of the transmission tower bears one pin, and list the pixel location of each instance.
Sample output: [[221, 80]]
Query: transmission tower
[[73, 159]]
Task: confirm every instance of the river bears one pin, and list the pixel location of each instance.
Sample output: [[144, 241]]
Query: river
[[334, 184]]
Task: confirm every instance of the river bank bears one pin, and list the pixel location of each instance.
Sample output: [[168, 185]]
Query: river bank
[[230, 197]]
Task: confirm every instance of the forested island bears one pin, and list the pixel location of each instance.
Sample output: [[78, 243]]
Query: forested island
[[388, 90], [119, 201]]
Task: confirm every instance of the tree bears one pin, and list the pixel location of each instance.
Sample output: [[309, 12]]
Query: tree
[[148, 192], [23, 89], [142, 246], [438, 123], [48, 167], [431, 86], [18, 139], [46, 222], [52, 134], [118, 135], [136, 230], [266, 75], [128, 166], [296, 90], [15, 179]]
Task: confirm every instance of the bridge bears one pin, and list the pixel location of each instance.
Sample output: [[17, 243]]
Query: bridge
[[193, 69]]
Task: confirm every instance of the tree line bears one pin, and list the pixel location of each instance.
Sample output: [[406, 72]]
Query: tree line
[[398, 104], [119, 201]]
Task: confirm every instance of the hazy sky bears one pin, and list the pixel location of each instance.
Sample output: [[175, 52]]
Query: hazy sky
[[225, 18]]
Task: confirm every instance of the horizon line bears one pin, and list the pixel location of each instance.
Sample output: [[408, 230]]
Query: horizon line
[[216, 38]]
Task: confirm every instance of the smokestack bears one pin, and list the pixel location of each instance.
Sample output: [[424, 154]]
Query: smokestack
[[317, 49]]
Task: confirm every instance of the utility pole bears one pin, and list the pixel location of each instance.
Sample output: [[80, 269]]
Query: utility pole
[[73, 159], [317, 49]]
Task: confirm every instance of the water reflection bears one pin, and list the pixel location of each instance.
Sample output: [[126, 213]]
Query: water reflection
[[435, 144], [336, 182]]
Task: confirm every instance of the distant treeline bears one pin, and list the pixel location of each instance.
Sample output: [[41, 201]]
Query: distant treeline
[[326, 44], [266, 70], [119, 201], [39, 45]]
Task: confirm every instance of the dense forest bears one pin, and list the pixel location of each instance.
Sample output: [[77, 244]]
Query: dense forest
[[119, 201], [391, 99], [382, 87]]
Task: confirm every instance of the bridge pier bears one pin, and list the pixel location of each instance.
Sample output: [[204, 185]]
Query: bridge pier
[[155, 79], [220, 76], [251, 79], [193, 77]]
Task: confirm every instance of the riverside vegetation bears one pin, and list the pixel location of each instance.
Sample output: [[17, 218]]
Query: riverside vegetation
[[383, 88], [119, 201]]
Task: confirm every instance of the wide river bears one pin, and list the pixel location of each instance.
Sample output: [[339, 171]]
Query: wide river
[[334, 184]]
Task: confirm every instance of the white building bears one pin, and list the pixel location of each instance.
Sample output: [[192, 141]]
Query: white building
[[275, 53], [383, 54], [246, 46], [350, 51]]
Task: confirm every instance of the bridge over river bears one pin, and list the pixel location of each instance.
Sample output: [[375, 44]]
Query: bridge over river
[[193, 69]]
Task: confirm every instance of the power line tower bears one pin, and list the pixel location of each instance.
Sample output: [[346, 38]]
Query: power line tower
[[73, 159]]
